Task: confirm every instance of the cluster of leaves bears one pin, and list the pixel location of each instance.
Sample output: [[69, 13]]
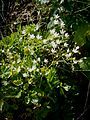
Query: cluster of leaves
[[29, 67]]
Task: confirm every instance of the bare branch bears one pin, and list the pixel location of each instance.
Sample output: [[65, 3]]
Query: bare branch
[[83, 2], [88, 91], [82, 9]]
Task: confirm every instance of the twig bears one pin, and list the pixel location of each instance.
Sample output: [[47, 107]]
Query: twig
[[2, 11], [2, 6], [85, 107], [82, 2], [88, 91], [82, 10], [82, 114]]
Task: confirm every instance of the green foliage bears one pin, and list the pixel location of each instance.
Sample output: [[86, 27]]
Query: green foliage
[[38, 61], [81, 34], [82, 38], [29, 67], [85, 66]]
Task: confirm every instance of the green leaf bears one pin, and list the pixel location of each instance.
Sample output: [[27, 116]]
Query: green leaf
[[85, 65], [51, 74], [17, 82], [15, 96], [1, 104], [81, 33]]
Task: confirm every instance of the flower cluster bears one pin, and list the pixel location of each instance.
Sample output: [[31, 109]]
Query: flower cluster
[[29, 58]]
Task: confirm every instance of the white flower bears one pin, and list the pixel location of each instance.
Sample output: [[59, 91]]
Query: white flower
[[39, 37], [44, 41], [56, 22], [61, 8], [56, 56], [56, 34], [52, 31], [28, 101], [25, 75], [54, 45], [68, 55], [13, 62], [51, 18], [38, 59], [19, 69], [5, 83], [53, 51], [58, 41], [37, 70], [77, 94], [7, 50], [56, 16], [29, 69], [68, 50], [44, 1], [32, 52], [15, 23], [20, 39], [37, 26], [80, 60], [75, 61], [61, 1], [77, 47], [67, 87], [85, 58], [32, 36], [62, 24], [65, 45], [45, 60], [23, 32], [33, 67], [18, 60], [62, 31], [48, 107], [10, 53], [34, 61], [34, 100], [2, 51], [75, 50], [66, 35]]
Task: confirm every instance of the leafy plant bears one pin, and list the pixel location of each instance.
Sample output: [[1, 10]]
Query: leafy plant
[[29, 67]]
